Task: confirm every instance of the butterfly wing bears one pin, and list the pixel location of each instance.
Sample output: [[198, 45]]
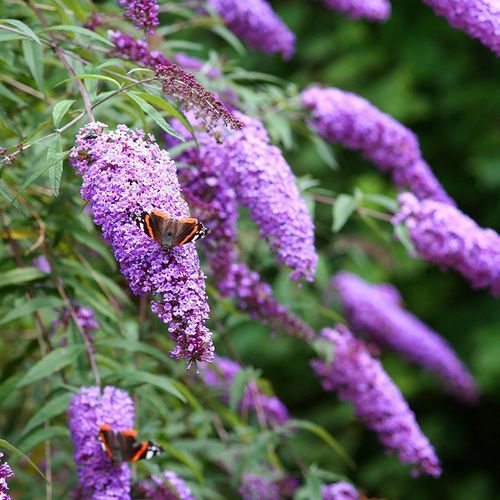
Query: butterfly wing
[[108, 441], [131, 450]]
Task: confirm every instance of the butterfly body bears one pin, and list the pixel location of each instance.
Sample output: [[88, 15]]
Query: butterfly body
[[169, 232], [124, 447]]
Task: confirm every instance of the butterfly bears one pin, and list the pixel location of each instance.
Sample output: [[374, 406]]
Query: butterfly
[[124, 447], [170, 232]]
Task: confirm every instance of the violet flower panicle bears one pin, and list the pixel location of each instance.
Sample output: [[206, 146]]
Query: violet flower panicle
[[99, 478], [167, 486], [361, 380], [347, 118], [478, 18], [5, 473], [255, 22], [374, 10], [125, 172], [257, 487], [376, 311], [143, 13], [339, 491], [442, 234]]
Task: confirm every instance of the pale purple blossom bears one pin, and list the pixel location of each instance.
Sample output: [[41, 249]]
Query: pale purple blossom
[[376, 311], [374, 10], [143, 13], [125, 172], [99, 478], [256, 487], [478, 18], [167, 486], [442, 234], [347, 118], [221, 374], [339, 491], [93, 22], [257, 24], [360, 379], [127, 47], [42, 264], [5, 473]]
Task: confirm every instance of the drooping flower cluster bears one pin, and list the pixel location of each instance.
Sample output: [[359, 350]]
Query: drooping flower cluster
[[376, 311], [347, 118], [42, 264], [127, 47], [339, 491], [99, 478], [255, 487], [361, 380], [221, 375], [168, 486], [375, 10], [257, 24], [84, 317], [5, 473], [93, 22], [125, 172], [143, 13], [478, 18], [444, 235]]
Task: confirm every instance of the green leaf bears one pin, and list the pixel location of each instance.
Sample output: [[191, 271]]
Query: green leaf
[[231, 39], [76, 7], [42, 168], [20, 275], [42, 435], [131, 346], [238, 385], [5, 192], [324, 435], [33, 54], [55, 157], [22, 27], [13, 449], [7, 387], [51, 363], [386, 202], [29, 307], [80, 31], [51, 409], [5, 92], [154, 114], [402, 234], [89, 77], [325, 151], [60, 109], [342, 210]]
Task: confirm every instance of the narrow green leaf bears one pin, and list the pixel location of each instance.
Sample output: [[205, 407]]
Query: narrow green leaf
[[238, 385], [22, 27], [154, 114], [51, 409], [131, 346], [30, 307], [80, 31], [8, 37], [325, 151], [42, 435], [20, 275], [386, 202], [231, 39], [342, 210], [76, 7], [33, 55], [5, 92], [60, 109], [54, 152], [402, 234], [89, 77], [5, 192], [7, 387], [42, 169], [13, 449], [182, 457], [51, 363]]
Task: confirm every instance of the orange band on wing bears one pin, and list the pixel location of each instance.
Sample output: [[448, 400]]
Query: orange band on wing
[[189, 220], [190, 235], [147, 220], [160, 214], [104, 427], [140, 452], [130, 432]]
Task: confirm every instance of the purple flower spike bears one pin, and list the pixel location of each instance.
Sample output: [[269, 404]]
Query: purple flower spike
[[361, 380], [168, 486], [374, 10], [143, 13], [254, 487], [127, 47], [257, 24], [339, 491], [99, 477], [444, 235], [376, 311], [354, 122], [125, 172], [221, 375], [5, 473], [478, 18]]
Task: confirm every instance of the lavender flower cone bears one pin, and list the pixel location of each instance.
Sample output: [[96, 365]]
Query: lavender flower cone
[[376, 311], [374, 10], [339, 491], [347, 118], [361, 380], [99, 478], [125, 172], [168, 486], [143, 13], [478, 18], [445, 236], [5, 473], [257, 24], [255, 487]]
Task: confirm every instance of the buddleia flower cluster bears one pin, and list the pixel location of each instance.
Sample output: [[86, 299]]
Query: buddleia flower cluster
[[84, 317], [254, 486], [221, 374], [360, 379], [339, 491], [376, 312], [99, 478], [143, 13], [5, 473], [442, 234], [167, 486], [354, 122], [125, 172], [374, 10]]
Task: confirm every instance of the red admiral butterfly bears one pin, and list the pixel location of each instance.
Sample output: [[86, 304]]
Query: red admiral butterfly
[[169, 232], [124, 447]]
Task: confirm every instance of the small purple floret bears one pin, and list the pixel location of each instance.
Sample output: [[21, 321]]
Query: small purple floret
[[339, 491], [374, 10], [143, 13], [5, 473], [168, 486]]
